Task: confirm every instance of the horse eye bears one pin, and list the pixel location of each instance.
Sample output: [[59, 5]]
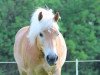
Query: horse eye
[[57, 34], [41, 34]]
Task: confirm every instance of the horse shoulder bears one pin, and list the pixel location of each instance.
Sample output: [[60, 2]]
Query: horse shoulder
[[19, 43]]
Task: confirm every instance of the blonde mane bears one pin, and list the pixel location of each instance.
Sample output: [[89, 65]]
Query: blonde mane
[[37, 26]]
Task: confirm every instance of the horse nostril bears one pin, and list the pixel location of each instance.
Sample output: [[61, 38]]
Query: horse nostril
[[56, 57], [47, 57], [51, 59]]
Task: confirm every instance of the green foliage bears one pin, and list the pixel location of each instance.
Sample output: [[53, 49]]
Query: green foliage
[[79, 24], [89, 72], [1, 72]]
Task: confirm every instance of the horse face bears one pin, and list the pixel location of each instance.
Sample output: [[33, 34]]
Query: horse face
[[47, 43]]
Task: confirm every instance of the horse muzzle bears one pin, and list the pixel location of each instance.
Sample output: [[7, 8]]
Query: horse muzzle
[[52, 59]]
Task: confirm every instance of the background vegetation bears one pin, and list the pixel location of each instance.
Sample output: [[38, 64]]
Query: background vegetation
[[79, 24]]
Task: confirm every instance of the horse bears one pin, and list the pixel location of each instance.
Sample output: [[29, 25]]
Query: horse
[[40, 48]]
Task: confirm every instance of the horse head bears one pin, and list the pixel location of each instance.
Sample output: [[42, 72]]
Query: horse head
[[46, 40], [46, 30]]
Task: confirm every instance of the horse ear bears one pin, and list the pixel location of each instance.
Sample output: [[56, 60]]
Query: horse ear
[[40, 16], [56, 17]]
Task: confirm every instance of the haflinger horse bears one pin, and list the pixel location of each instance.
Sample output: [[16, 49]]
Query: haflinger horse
[[40, 48]]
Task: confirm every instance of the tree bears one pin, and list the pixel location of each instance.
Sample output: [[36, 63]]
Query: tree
[[79, 24]]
